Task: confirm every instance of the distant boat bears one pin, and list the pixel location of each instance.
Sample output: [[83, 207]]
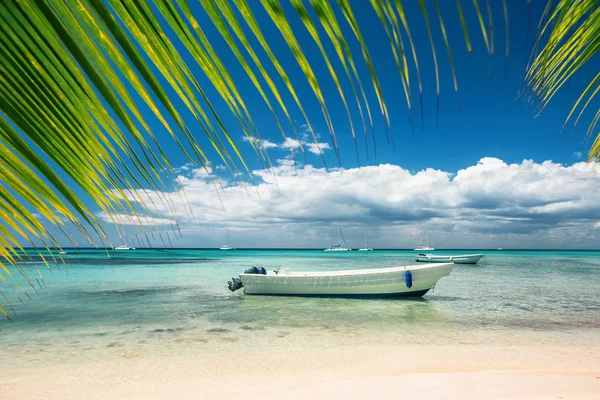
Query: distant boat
[[227, 246], [339, 247], [62, 252], [415, 280], [459, 259], [500, 248], [124, 247], [425, 246], [365, 248]]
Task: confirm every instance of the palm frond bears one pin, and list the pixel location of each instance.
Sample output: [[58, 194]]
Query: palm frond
[[435, 62], [330, 24], [278, 17], [387, 16], [449, 51], [463, 24], [351, 19], [573, 38]]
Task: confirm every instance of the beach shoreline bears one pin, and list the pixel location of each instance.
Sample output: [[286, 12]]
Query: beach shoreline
[[428, 372], [514, 329]]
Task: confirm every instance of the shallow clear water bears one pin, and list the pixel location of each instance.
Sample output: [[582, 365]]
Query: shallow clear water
[[148, 302]]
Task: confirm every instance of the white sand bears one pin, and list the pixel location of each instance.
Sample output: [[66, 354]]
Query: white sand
[[529, 372]]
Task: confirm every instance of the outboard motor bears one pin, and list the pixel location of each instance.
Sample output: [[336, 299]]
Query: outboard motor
[[256, 270], [235, 284]]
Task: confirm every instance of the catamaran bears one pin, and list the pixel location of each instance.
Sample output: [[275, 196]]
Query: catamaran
[[339, 247], [458, 259], [227, 246], [425, 246], [412, 280], [365, 248]]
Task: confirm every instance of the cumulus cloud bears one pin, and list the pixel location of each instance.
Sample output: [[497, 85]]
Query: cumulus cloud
[[490, 204], [293, 144], [577, 154]]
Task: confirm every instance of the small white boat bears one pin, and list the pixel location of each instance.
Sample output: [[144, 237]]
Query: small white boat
[[124, 247], [425, 246], [339, 247], [413, 280], [226, 246], [458, 259], [365, 248]]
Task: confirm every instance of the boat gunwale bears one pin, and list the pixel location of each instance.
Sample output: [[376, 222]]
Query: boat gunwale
[[351, 272]]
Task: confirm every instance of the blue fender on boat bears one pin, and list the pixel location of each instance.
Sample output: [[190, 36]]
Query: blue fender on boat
[[408, 279]]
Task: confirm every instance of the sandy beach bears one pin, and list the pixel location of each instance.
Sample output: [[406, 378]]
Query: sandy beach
[[424, 372]]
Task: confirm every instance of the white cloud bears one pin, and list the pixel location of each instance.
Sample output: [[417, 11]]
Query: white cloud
[[184, 168], [202, 173], [312, 147], [490, 204], [293, 144], [577, 154], [267, 144], [127, 219]]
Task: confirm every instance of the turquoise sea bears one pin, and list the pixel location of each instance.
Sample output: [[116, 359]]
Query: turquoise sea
[[144, 302]]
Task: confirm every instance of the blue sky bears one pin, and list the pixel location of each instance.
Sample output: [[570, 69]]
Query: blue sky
[[491, 120], [485, 142]]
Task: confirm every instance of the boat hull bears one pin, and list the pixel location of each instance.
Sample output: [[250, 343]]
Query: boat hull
[[418, 293], [380, 282], [459, 259]]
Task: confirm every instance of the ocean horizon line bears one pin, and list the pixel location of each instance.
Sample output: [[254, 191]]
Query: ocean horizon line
[[307, 248]]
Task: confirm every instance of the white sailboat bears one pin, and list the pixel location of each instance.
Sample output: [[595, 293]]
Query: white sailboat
[[339, 247], [412, 280], [365, 248], [227, 246], [425, 246]]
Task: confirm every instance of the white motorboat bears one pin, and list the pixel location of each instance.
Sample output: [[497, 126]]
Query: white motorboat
[[339, 247], [365, 248], [226, 246], [124, 247], [413, 280], [425, 246], [458, 259]]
